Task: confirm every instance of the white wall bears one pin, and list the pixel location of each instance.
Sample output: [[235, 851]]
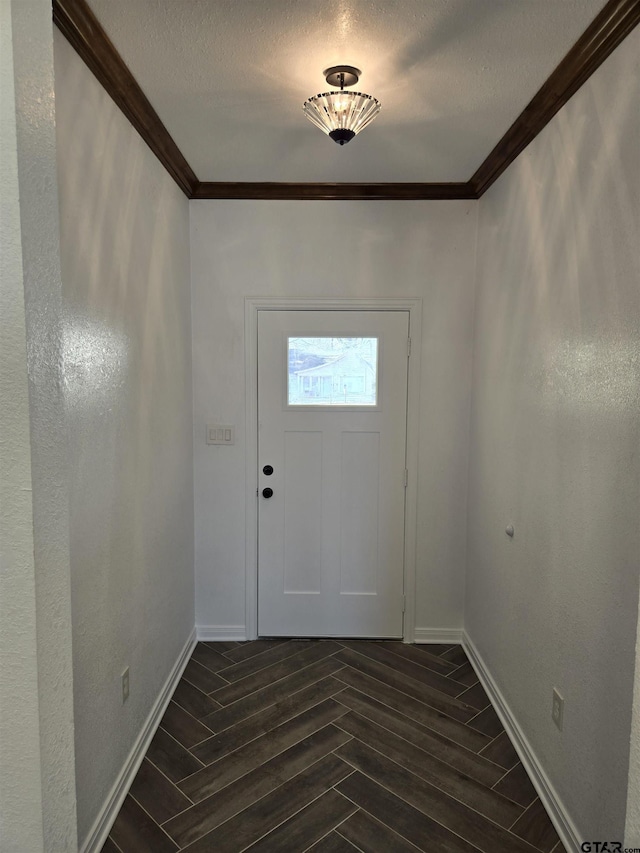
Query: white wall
[[297, 249], [127, 348], [20, 785], [632, 827], [20, 776], [554, 440], [37, 790]]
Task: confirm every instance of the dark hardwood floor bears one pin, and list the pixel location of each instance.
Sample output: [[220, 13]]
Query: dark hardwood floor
[[331, 747]]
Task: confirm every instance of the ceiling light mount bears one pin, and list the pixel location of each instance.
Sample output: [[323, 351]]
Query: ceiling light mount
[[341, 115], [342, 75]]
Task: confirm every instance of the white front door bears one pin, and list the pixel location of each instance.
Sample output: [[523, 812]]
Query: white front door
[[332, 406]]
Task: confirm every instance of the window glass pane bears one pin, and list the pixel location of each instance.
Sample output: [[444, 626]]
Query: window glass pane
[[332, 371]]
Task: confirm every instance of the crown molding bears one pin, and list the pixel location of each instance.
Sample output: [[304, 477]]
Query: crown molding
[[334, 192], [607, 30], [82, 29]]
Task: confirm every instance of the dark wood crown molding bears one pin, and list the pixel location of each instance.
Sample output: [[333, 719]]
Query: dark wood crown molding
[[334, 192], [81, 28], [608, 29], [83, 31]]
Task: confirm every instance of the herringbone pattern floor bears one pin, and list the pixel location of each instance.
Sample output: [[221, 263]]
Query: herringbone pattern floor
[[331, 747]]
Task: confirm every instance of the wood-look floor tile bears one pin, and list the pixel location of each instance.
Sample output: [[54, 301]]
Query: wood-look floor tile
[[535, 827], [273, 809], [417, 690], [437, 649], [254, 647], [202, 678], [379, 652], [414, 709], [464, 760], [307, 826], [404, 819], [442, 776], [206, 815], [501, 752], [169, 756], [465, 674], [372, 836], [135, 832], [230, 800], [421, 656], [210, 779], [156, 794], [333, 843], [456, 654], [450, 813], [270, 674], [476, 697], [331, 747], [222, 646], [207, 656], [183, 727], [197, 703], [261, 723], [517, 786], [487, 722], [261, 699], [243, 669]]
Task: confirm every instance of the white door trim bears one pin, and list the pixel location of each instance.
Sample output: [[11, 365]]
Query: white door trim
[[265, 303]]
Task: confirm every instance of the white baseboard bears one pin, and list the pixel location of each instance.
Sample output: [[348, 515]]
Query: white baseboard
[[220, 633], [437, 635], [103, 823], [565, 827]]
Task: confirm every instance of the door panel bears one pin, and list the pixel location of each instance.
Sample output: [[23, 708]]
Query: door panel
[[332, 393], [359, 513], [302, 498]]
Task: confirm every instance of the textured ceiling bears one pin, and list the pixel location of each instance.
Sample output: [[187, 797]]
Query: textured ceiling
[[228, 79]]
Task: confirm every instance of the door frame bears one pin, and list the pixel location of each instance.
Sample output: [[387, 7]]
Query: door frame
[[254, 304]]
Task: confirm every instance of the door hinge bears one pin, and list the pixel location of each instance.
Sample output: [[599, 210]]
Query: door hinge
[[404, 603], [408, 347], [406, 477]]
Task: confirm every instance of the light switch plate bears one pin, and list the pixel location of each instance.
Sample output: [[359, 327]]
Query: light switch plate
[[221, 434], [557, 709]]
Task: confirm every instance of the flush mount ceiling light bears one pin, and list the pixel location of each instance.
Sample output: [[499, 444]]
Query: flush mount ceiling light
[[341, 114]]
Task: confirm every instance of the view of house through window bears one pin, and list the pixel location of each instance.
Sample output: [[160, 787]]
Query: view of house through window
[[331, 371]]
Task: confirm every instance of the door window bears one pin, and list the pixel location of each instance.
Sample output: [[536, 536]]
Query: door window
[[332, 371]]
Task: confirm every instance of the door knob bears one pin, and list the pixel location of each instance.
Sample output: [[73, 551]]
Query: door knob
[[267, 470], [267, 493]]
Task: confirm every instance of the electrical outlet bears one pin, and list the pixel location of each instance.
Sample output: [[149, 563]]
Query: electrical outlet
[[125, 685], [557, 709]]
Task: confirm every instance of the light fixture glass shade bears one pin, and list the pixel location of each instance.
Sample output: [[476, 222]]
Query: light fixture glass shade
[[341, 115]]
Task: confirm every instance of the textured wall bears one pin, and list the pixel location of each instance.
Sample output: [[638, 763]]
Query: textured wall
[[368, 249], [632, 828], [127, 348], [36, 588], [20, 787], [554, 440]]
